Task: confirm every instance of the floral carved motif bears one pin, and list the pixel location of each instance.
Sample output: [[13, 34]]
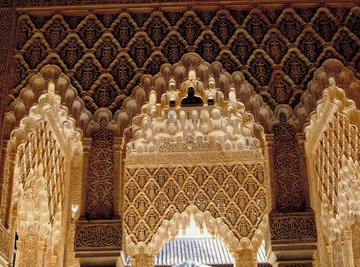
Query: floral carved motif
[[28, 248]]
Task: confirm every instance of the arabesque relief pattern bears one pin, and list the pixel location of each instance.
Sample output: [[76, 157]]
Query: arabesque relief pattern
[[233, 192], [289, 186], [100, 179], [335, 154], [105, 54]]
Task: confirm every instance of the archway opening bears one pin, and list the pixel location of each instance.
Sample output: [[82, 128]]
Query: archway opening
[[194, 247]]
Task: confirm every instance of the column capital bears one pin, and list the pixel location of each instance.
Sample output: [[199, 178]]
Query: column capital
[[245, 258], [118, 144], [143, 260], [86, 142], [269, 138]]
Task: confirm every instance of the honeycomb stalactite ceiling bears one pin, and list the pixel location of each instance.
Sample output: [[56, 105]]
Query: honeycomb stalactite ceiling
[[220, 180], [193, 117], [106, 54]]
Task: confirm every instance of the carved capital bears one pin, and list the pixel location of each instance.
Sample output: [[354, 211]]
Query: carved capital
[[118, 144], [143, 260], [86, 144], [269, 140]]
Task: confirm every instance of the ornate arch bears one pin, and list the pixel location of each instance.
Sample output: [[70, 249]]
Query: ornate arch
[[38, 192], [180, 221], [193, 147]]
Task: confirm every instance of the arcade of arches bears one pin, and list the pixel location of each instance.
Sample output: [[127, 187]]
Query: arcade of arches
[[122, 121]]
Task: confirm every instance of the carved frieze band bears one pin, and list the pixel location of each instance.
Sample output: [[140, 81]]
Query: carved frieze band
[[214, 156], [104, 234], [293, 227]]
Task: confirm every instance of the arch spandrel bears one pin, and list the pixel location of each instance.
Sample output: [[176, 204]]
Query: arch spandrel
[[176, 147]]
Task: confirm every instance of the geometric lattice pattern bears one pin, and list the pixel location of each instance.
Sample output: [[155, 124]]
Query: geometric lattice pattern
[[234, 192], [105, 54]]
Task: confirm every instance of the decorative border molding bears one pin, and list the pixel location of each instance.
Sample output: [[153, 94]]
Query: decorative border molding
[[253, 155]]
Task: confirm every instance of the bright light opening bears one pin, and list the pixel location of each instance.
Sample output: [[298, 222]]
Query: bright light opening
[[194, 247], [193, 231]]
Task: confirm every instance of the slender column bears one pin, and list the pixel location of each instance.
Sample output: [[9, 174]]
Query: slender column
[[40, 253], [347, 248], [330, 254], [269, 151], [117, 176], [2, 168], [86, 150], [19, 245], [8, 175]]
